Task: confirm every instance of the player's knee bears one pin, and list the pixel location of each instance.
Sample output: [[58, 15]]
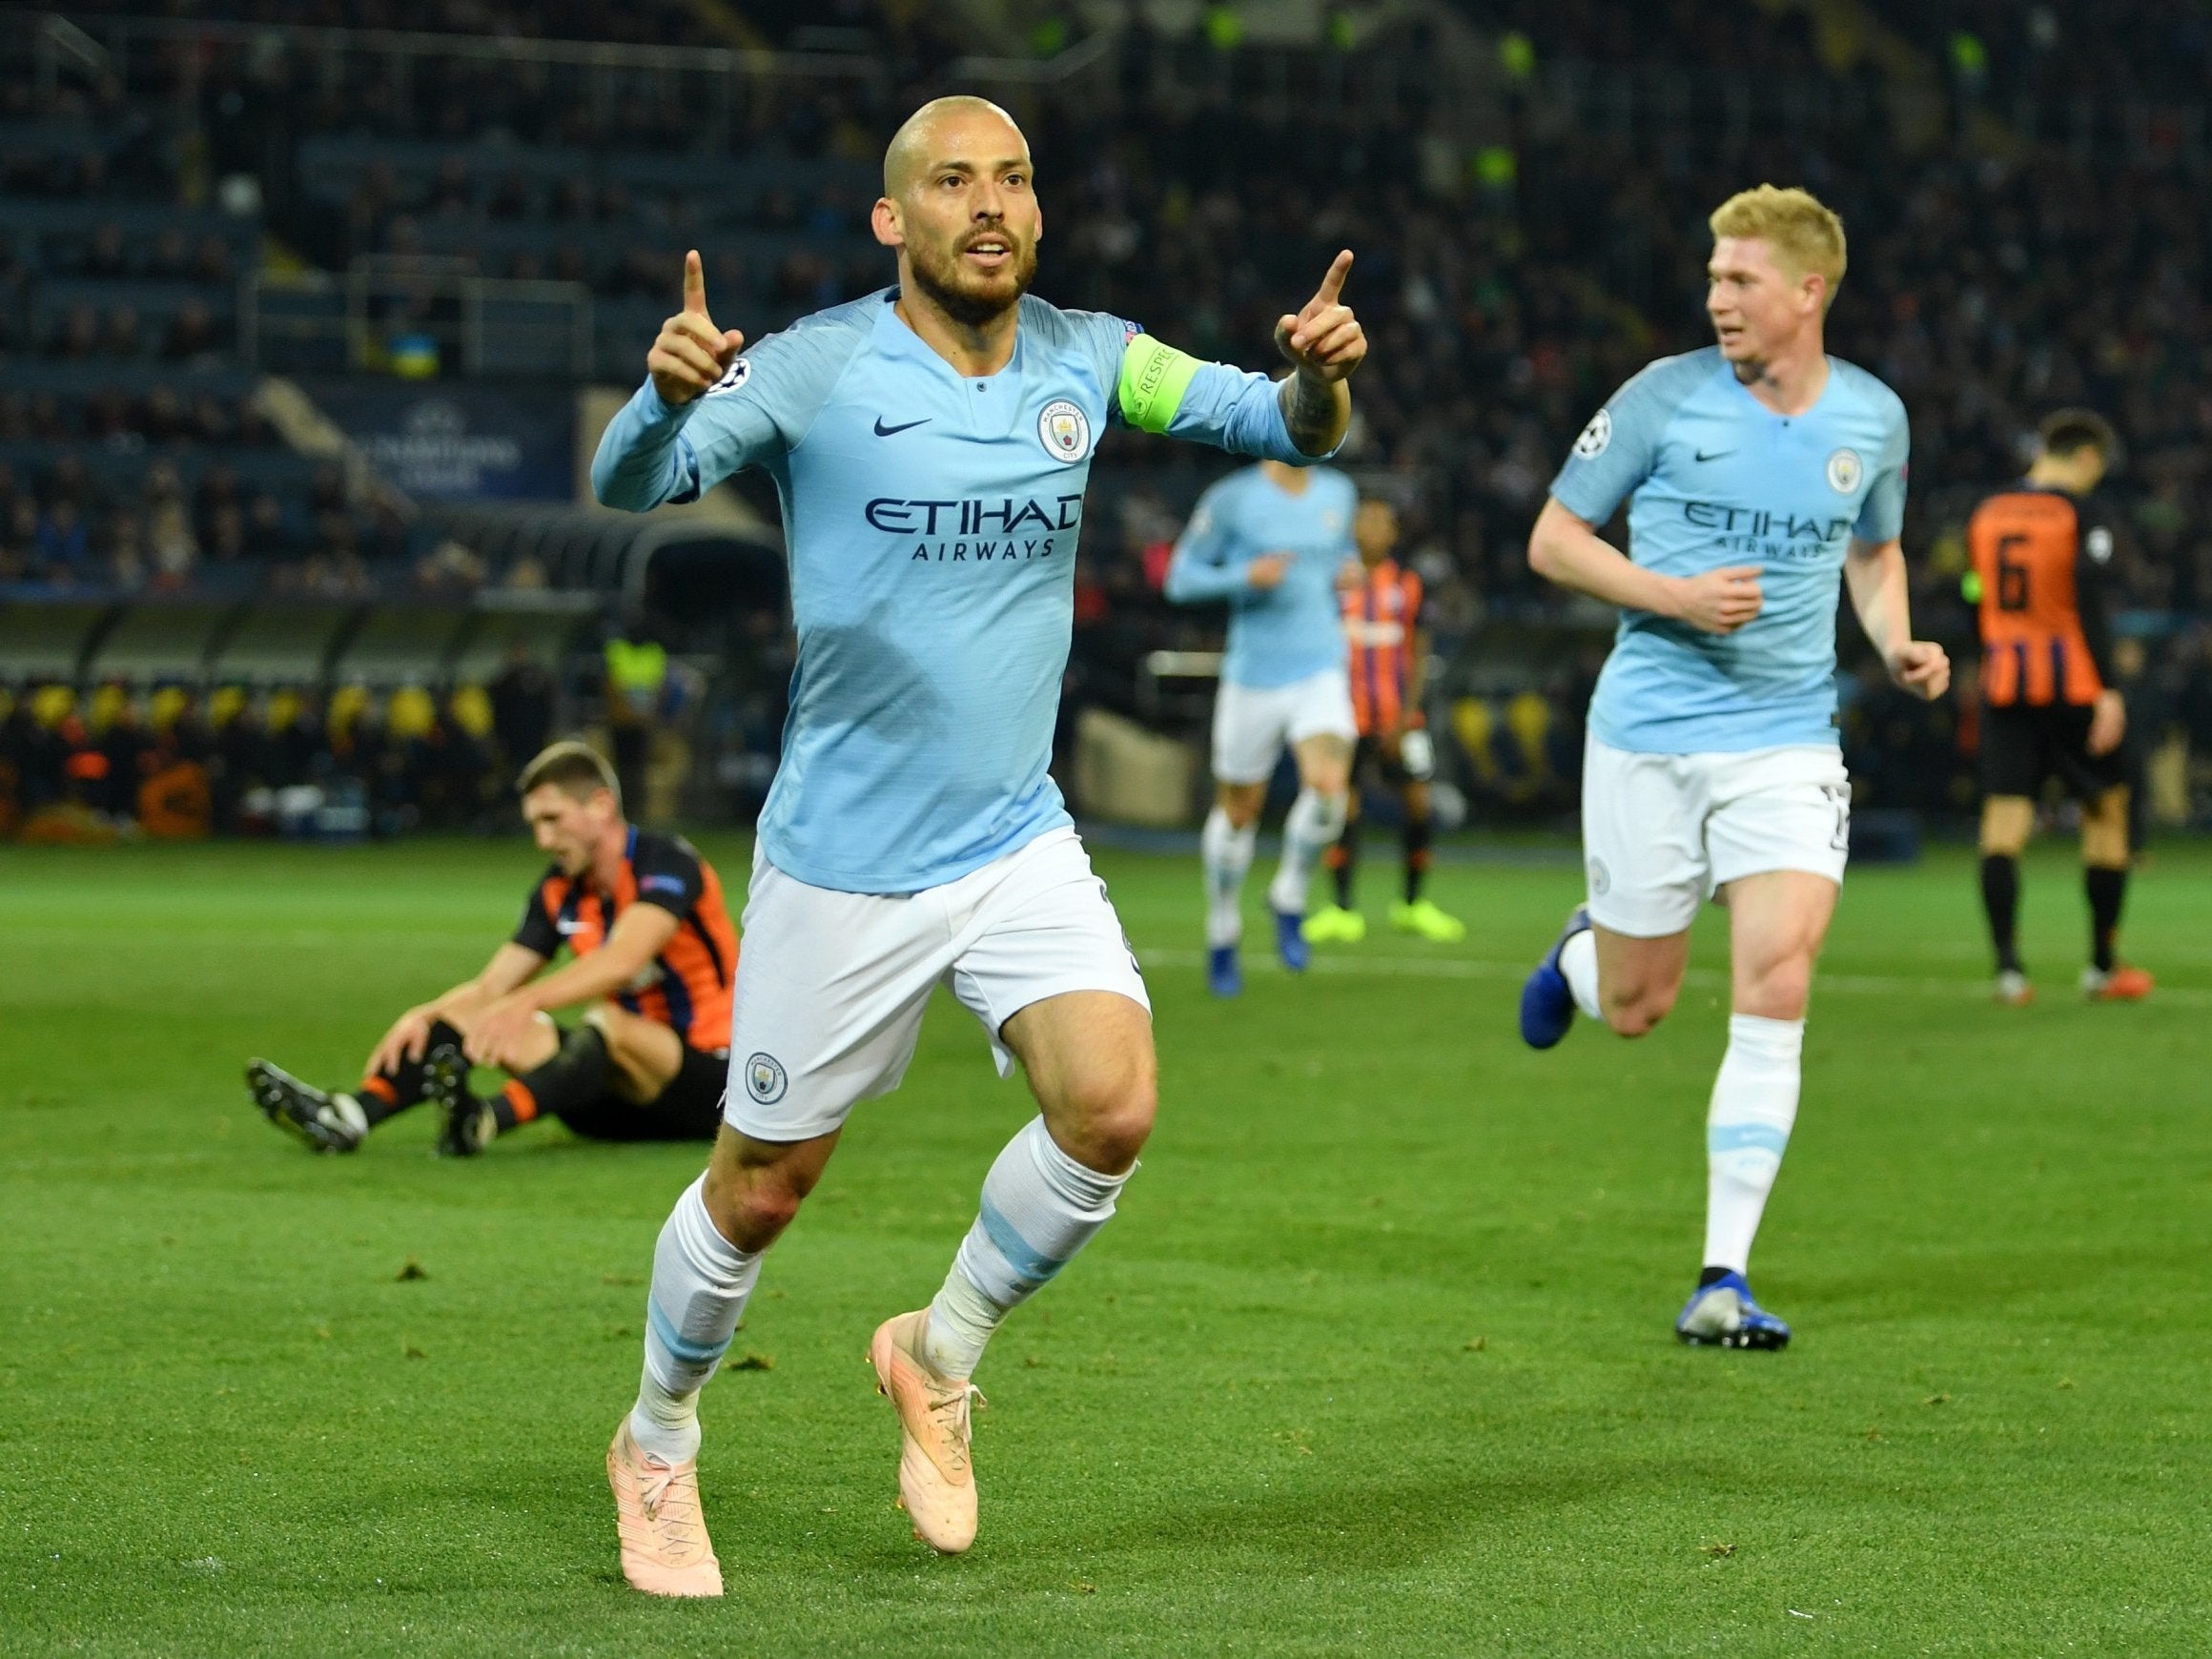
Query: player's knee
[[616, 1027], [751, 1204], [2104, 832], [1777, 990], [1636, 1009], [1329, 809], [1109, 1117], [2006, 822]]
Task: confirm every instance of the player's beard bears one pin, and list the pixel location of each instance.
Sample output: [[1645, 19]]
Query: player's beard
[[972, 298]]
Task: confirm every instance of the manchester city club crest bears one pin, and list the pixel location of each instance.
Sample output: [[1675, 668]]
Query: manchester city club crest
[[1844, 470], [1065, 431], [764, 1079]]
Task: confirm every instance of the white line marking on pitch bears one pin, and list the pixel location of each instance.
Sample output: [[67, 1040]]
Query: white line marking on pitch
[[1468, 968]]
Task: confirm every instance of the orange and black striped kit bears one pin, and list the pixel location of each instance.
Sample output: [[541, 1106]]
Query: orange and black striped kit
[[2027, 546], [1379, 618], [687, 986]]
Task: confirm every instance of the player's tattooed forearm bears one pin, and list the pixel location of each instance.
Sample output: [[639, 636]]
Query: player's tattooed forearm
[[1309, 409]]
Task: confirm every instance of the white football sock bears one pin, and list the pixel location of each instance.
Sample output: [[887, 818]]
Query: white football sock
[[350, 1113], [1578, 964], [1227, 853], [1754, 1103], [1314, 822], [700, 1283], [1039, 1207]]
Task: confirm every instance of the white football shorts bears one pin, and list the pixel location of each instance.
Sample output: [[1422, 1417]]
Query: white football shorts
[[1253, 725], [1660, 833], [831, 986]]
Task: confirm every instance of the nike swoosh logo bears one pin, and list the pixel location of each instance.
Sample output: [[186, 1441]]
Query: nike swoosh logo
[[1714, 456], [883, 431]]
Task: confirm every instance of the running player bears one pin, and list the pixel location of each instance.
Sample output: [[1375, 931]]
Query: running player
[[1271, 540], [655, 957], [1759, 473], [1383, 621], [2050, 707], [931, 443]]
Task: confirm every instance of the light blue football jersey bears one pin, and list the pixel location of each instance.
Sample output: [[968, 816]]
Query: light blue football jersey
[[931, 521], [1715, 479], [1294, 629]]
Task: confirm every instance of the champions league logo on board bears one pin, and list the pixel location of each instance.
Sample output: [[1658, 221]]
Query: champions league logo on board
[[1844, 471], [1065, 431]]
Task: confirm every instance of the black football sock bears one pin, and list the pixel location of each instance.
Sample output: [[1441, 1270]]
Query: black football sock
[[1343, 859], [2107, 891], [1420, 833], [2000, 898], [575, 1077], [388, 1092], [1713, 1275]]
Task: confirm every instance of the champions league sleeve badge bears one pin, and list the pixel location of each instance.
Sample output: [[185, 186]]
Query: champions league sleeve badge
[[732, 377]]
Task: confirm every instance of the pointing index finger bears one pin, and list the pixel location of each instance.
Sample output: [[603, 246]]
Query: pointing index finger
[[694, 283], [1333, 285]]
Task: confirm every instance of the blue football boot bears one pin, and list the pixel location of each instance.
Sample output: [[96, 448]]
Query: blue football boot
[[1546, 1002], [1290, 941], [1722, 1315], [1225, 972]]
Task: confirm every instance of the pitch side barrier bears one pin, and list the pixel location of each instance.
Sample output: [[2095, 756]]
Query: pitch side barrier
[[84, 637]]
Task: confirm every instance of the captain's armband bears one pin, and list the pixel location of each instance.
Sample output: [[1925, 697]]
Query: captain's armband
[[1154, 379]]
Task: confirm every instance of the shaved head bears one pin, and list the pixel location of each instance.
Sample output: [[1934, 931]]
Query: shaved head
[[911, 146], [959, 206]]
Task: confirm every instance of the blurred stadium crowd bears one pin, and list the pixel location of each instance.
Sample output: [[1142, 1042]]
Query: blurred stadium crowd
[[2022, 185]]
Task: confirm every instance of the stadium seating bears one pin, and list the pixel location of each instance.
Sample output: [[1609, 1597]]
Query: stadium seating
[[1526, 197]]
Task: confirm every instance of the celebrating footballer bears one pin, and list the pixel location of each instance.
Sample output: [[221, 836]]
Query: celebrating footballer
[[931, 443], [1760, 474]]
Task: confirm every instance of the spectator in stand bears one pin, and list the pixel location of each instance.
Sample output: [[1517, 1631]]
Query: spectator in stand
[[522, 706], [61, 548], [125, 563], [268, 538], [224, 542], [169, 261], [108, 414], [19, 560], [161, 415], [121, 337], [79, 334], [103, 254], [192, 334], [172, 547]]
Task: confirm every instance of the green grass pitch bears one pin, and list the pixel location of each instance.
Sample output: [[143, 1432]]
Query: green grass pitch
[[1376, 1359]]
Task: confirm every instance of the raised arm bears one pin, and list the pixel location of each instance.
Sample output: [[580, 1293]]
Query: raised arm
[[1298, 420], [644, 457], [1325, 343]]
